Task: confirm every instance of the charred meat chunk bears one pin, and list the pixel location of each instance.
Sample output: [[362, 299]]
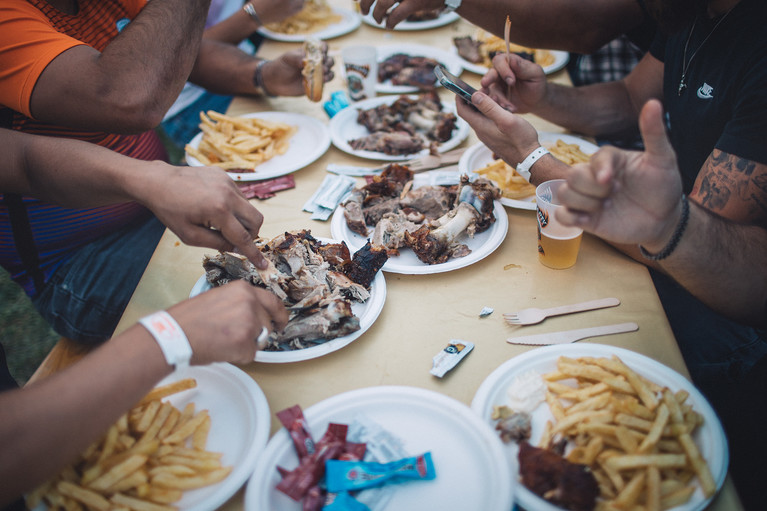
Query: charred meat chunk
[[549, 475]]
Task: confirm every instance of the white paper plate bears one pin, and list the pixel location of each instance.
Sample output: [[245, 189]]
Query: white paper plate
[[240, 424], [471, 469], [307, 144], [449, 60], [440, 21], [481, 245], [344, 127], [349, 22], [709, 437], [561, 58], [479, 155], [366, 312]]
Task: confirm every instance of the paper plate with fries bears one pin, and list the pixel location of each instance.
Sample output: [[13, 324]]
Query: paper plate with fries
[[191, 443], [649, 437], [518, 193], [317, 20], [259, 145]]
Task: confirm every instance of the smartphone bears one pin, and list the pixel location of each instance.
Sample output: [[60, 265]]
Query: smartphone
[[453, 83]]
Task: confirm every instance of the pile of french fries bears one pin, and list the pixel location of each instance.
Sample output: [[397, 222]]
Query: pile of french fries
[[512, 185], [144, 462], [567, 153], [239, 143], [635, 435], [315, 15]]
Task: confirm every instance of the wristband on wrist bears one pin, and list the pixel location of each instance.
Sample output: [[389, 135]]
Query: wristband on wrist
[[170, 337], [258, 79], [248, 8], [523, 169], [674, 241]]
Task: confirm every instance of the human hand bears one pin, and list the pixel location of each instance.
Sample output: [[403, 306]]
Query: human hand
[[403, 9], [222, 324], [628, 196], [516, 84], [273, 11], [282, 76], [204, 207], [506, 134]]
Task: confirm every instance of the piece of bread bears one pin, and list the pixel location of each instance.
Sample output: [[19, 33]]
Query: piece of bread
[[313, 72]]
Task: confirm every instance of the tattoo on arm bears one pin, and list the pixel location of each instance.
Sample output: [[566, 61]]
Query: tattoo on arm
[[733, 187]]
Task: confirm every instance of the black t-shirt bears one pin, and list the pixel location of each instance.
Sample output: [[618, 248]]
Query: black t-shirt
[[725, 103]]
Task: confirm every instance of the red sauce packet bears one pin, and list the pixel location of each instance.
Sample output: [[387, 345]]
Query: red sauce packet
[[293, 420], [297, 483], [266, 189]]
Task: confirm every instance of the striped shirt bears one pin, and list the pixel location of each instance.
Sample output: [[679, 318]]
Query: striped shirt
[[32, 34]]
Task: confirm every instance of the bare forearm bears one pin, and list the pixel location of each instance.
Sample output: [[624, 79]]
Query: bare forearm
[[594, 110], [580, 27], [225, 69], [722, 264], [73, 173], [46, 424]]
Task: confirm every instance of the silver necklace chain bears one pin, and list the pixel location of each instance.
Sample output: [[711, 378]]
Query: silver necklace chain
[[685, 62]]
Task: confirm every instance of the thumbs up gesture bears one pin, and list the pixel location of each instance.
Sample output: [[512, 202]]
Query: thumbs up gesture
[[628, 196]]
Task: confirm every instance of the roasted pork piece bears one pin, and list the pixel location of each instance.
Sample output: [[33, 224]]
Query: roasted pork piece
[[318, 282], [429, 220], [406, 126], [549, 475], [403, 69], [438, 241]]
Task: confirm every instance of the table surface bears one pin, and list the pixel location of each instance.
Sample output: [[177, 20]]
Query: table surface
[[423, 312]]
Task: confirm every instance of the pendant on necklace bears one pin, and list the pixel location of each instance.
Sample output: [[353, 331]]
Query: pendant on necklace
[[682, 87]]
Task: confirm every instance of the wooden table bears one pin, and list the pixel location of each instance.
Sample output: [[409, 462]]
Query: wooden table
[[423, 312]]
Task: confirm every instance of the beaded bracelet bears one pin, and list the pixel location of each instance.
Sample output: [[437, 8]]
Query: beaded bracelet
[[170, 337], [258, 79], [674, 241]]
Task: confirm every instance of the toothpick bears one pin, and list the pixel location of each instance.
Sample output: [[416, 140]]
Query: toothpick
[[506, 34]]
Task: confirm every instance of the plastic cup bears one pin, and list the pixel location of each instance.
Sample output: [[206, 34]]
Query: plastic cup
[[361, 69], [558, 245]]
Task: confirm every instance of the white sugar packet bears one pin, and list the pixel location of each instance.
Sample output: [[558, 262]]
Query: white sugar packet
[[328, 196]]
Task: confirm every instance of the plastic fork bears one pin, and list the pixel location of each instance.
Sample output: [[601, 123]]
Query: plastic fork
[[533, 315]]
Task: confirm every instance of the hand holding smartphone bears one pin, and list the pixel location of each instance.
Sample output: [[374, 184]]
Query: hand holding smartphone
[[454, 84]]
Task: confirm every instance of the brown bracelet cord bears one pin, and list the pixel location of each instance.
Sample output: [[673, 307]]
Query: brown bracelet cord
[[674, 241], [258, 79]]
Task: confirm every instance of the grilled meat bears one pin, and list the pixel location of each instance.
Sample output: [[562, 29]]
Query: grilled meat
[[549, 475], [317, 282]]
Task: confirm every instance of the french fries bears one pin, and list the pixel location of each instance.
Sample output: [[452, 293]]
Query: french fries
[[567, 153], [512, 185], [239, 143], [144, 462], [635, 435], [315, 15]]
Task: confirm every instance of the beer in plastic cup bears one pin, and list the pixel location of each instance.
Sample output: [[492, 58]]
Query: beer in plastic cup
[[361, 71], [558, 245]]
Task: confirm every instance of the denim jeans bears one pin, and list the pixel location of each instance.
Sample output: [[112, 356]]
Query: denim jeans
[[182, 127], [87, 295]]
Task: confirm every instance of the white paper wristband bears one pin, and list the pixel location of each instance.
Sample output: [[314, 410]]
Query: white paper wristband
[[170, 337], [523, 169]]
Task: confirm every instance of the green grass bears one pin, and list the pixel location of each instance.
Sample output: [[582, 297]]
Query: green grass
[[25, 335]]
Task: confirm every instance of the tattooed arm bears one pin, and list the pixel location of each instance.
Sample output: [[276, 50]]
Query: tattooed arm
[[631, 198]]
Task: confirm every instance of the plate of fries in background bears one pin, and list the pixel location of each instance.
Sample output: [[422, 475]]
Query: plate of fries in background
[[517, 192], [317, 19], [270, 144], [489, 44], [190, 444], [648, 435]]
